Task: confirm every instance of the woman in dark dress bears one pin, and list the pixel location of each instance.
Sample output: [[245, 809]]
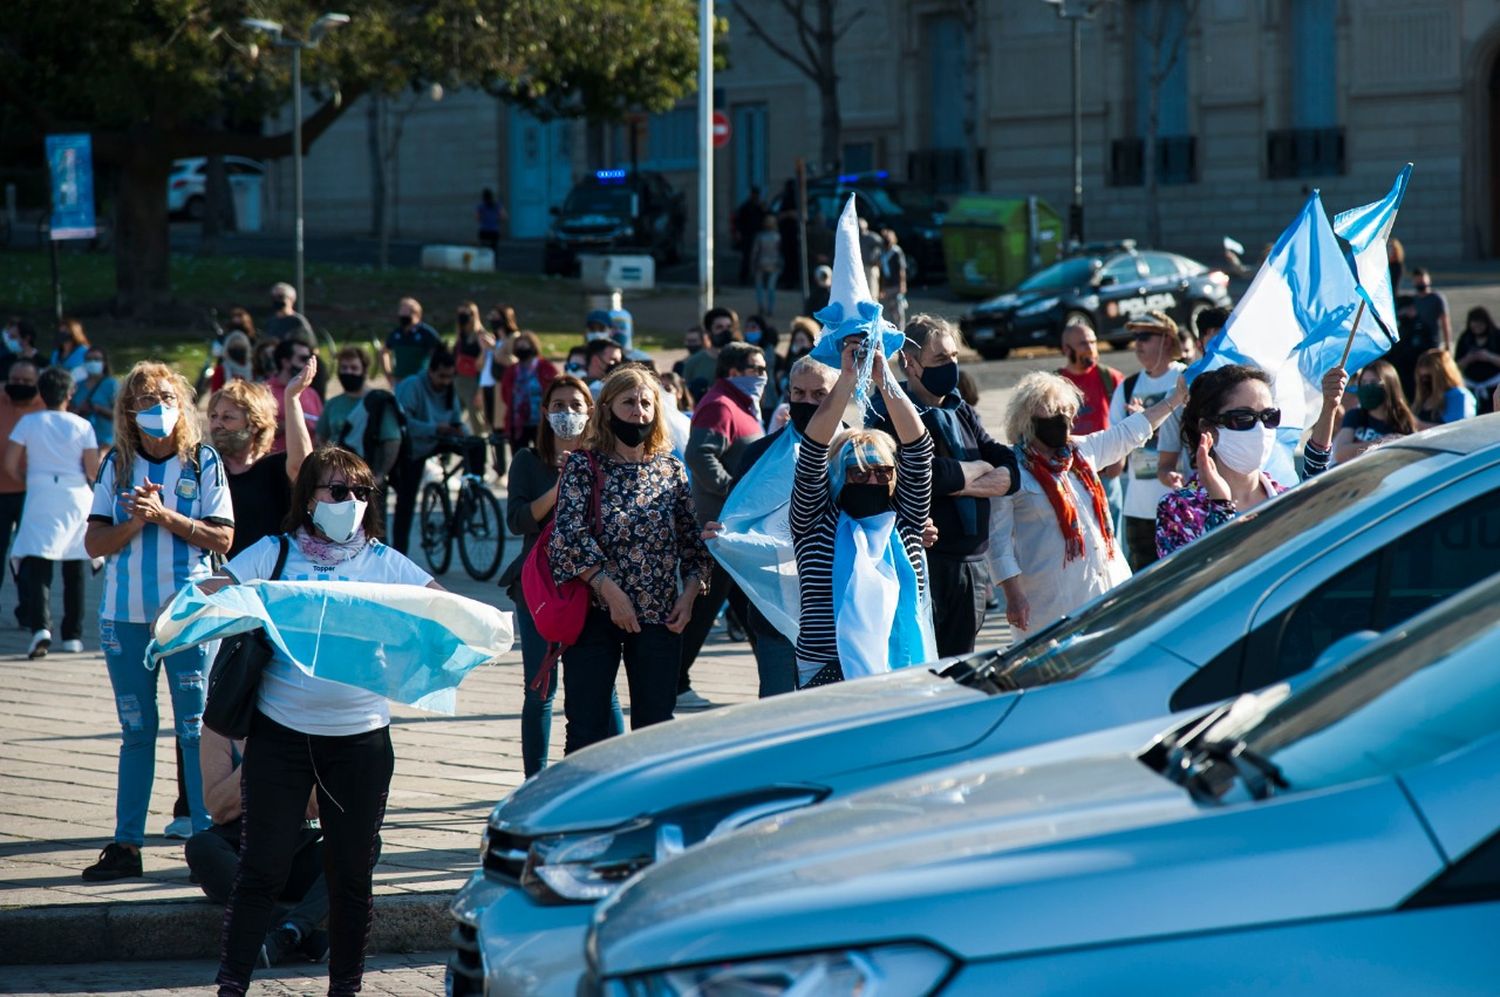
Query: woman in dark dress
[[242, 423]]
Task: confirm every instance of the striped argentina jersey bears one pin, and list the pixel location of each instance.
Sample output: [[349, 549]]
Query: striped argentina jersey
[[143, 576], [814, 522]]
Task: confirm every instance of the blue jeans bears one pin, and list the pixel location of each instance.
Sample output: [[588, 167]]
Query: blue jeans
[[765, 291], [536, 708], [124, 647], [775, 656], [652, 659]]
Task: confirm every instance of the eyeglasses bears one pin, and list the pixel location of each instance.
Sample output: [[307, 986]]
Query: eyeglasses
[[341, 491], [879, 474], [1146, 335], [143, 402], [757, 370], [1245, 418]]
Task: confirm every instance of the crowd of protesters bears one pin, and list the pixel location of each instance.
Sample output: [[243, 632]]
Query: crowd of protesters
[[907, 529]]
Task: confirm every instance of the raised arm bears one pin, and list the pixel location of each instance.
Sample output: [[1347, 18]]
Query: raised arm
[[298, 440]]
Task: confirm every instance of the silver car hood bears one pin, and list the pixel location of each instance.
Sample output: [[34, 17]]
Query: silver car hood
[[795, 739], [985, 862]]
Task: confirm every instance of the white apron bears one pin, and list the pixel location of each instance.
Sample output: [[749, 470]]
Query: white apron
[[54, 518]]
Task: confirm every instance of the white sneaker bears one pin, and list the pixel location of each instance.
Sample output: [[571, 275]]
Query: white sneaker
[[41, 641], [690, 701], [181, 828], [72, 647]]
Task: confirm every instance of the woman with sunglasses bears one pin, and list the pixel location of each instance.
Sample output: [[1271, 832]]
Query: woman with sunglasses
[[161, 511], [1052, 541], [1229, 426], [310, 733]]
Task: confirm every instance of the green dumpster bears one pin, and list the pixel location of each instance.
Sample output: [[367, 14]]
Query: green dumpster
[[991, 242]]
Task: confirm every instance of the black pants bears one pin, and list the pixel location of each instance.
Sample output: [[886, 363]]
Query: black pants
[[35, 583], [705, 610], [591, 665], [408, 480], [11, 505], [214, 857], [353, 777], [1140, 542], [960, 595]]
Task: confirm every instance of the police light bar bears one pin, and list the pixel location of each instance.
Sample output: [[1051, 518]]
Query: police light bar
[[855, 177], [609, 176]]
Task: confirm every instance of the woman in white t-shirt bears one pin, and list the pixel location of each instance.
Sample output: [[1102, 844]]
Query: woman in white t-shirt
[[1158, 345], [310, 732], [61, 457]]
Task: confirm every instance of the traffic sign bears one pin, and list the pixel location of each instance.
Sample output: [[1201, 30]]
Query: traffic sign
[[721, 129]]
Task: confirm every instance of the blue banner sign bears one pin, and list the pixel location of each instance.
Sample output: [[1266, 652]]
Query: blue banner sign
[[70, 158]]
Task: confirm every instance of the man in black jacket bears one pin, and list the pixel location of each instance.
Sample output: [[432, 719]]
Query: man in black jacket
[[968, 469]]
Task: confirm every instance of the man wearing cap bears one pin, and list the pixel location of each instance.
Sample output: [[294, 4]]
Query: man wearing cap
[[285, 321], [1157, 347]]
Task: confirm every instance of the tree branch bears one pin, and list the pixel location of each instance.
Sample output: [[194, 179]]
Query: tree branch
[[791, 57], [839, 33], [214, 142]]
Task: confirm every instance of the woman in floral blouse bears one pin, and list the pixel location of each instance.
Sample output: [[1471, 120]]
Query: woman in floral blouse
[[1229, 426], [645, 538]]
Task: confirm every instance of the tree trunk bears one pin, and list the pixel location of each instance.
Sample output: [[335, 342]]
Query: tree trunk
[[216, 205], [971, 178], [142, 261], [828, 88], [375, 135]]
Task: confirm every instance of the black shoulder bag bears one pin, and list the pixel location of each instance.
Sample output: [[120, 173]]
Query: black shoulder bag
[[234, 682]]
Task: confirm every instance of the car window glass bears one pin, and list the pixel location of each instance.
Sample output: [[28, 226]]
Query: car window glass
[[598, 201], [1066, 273], [1160, 265], [1414, 572], [1122, 269], [881, 201], [1147, 597]]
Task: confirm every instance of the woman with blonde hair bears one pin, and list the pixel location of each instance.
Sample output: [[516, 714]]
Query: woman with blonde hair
[[242, 424], [1052, 543], [1441, 395], [161, 512], [626, 525]]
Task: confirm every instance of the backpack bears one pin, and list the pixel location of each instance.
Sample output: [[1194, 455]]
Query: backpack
[[376, 402], [557, 611]]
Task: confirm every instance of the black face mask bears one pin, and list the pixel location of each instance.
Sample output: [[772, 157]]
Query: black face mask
[[722, 339], [694, 349], [20, 392], [405, 320], [801, 414], [238, 354], [864, 500], [523, 353], [629, 433], [798, 351], [1051, 430], [942, 381], [352, 383]]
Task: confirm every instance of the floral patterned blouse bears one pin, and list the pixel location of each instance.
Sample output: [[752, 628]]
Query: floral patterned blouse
[[1184, 515], [648, 534]]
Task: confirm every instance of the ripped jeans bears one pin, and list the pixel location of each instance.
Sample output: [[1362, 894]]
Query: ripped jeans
[[124, 647]]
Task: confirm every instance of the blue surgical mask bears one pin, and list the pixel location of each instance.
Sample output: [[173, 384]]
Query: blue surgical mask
[[12, 344], [94, 367], [753, 385], [753, 336]]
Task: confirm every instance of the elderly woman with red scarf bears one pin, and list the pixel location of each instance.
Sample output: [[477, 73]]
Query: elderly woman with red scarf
[[1052, 544]]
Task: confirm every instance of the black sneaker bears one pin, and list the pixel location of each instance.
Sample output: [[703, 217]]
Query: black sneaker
[[315, 946], [115, 862], [280, 943]]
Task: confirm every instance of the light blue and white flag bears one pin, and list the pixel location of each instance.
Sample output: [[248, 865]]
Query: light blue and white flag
[[410, 644], [1367, 230], [755, 546]]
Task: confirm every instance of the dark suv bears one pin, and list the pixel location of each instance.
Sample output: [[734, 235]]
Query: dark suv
[[616, 211], [913, 214]]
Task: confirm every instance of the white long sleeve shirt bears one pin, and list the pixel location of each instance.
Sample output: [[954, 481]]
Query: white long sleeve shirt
[[1026, 541]]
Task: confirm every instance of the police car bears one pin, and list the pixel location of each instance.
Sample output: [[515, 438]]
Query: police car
[[1102, 290], [616, 211]]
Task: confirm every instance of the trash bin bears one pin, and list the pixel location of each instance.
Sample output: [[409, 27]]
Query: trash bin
[[991, 242], [245, 191]]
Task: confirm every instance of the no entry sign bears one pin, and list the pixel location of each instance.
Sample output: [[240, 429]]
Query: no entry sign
[[721, 129]]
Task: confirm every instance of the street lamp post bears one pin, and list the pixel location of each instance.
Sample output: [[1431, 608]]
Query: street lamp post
[[320, 28], [705, 155], [1076, 12]]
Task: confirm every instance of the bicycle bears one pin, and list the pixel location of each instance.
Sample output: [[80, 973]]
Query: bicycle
[[473, 519]]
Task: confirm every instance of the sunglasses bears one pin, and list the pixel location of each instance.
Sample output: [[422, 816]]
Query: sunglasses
[[341, 491], [1245, 418], [878, 474], [1145, 336]]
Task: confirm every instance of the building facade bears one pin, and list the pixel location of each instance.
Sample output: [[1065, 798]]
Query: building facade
[[1257, 102]]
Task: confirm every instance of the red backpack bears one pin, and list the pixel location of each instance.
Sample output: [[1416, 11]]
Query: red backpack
[[557, 611]]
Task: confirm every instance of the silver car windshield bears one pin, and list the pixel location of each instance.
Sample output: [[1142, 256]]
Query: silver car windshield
[[1431, 690], [1082, 641]]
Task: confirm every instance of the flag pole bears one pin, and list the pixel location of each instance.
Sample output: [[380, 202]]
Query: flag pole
[[1352, 330]]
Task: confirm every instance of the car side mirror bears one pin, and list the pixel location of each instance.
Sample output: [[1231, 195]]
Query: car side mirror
[[1105, 281]]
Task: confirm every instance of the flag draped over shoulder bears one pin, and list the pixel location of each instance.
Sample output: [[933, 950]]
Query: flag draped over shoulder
[[410, 644], [755, 546]]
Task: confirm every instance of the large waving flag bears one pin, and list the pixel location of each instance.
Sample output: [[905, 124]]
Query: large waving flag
[[1367, 230], [755, 545], [410, 644]]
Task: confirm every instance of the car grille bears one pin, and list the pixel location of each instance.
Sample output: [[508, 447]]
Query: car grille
[[506, 857], [465, 969]]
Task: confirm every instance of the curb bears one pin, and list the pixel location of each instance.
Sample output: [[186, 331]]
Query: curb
[[189, 929]]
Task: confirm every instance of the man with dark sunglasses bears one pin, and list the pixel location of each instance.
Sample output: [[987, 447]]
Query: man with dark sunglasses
[[1157, 346]]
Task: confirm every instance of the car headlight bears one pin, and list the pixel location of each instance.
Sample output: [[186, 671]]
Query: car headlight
[[929, 233], [1037, 307], [586, 867], [886, 971]]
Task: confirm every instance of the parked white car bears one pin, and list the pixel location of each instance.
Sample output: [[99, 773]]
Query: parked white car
[[1363, 547], [185, 185], [1340, 839]]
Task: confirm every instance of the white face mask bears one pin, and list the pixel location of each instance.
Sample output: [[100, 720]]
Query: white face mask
[[94, 367], [568, 425], [1245, 450], [158, 421], [339, 521]]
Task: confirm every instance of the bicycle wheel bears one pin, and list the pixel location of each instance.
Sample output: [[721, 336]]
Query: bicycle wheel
[[481, 531], [434, 519]]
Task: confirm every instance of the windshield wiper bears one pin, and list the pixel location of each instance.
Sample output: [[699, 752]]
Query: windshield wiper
[[977, 671], [1261, 776]]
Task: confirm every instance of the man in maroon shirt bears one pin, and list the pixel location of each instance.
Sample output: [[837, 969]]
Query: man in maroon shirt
[[1098, 383]]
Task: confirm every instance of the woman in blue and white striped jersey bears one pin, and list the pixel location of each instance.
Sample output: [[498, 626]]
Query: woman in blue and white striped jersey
[[161, 510]]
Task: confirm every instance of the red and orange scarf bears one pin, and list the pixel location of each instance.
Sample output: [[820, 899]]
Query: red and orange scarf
[[1048, 472]]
